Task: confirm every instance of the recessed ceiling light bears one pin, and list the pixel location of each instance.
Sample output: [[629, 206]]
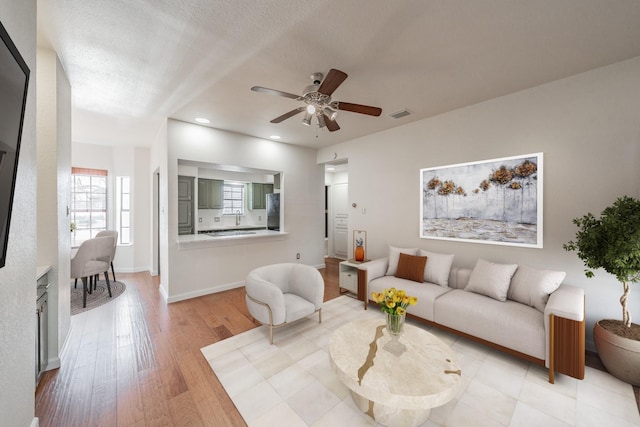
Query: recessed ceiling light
[[202, 120], [275, 137]]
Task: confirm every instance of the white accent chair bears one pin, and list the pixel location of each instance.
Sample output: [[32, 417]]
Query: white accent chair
[[87, 263], [283, 293]]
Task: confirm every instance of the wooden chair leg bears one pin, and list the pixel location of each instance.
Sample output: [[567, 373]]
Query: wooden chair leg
[[113, 272], [95, 281], [75, 283], [106, 276], [84, 292], [90, 285]]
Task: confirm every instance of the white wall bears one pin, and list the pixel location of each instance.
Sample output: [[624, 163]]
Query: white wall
[[588, 129], [17, 278], [135, 163], [198, 271], [54, 193]]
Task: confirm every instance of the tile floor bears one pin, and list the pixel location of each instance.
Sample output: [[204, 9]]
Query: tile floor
[[292, 383]]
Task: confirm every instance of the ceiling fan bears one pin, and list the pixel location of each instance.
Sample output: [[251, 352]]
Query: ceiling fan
[[319, 104]]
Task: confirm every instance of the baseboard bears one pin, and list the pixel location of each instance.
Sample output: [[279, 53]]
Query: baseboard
[[53, 363], [133, 269], [163, 293], [206, 291]]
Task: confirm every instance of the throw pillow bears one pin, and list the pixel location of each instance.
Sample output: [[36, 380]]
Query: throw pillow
[[394, 255], [532, 286], [438, 267], [491, 279], [411, 267]]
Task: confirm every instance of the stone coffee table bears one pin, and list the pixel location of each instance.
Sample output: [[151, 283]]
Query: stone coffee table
[[394, 390]]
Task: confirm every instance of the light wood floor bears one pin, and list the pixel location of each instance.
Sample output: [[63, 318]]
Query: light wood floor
[[137, 361]]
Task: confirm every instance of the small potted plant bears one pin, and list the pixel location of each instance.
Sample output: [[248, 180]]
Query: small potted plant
[[612, 242]]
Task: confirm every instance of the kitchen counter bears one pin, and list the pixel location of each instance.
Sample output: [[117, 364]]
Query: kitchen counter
[[196, 241], [232, 228]]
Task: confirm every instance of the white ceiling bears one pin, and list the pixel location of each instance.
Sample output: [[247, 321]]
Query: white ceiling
[[132, 63]]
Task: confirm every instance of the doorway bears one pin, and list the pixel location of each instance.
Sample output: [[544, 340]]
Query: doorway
[[155, 247], [336, 209]]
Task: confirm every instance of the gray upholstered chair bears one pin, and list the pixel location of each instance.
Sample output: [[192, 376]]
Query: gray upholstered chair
[[89, 261], [283, 293], [114, 234]]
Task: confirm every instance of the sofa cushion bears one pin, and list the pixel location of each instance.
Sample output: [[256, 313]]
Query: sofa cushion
[[438, 267], [426, 293], [491, 279], [532, 286], [509, 324], [411, 267], [394, 256]]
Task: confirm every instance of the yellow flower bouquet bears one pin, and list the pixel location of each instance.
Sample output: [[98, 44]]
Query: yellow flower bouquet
[[394, 303]]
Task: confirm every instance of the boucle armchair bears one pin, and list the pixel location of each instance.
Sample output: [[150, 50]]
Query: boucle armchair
[[283, 293]]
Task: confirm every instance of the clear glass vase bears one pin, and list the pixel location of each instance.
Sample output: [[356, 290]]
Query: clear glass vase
[[395, 323]]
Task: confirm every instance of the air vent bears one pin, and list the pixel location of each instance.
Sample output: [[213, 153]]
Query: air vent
[[401, 113]]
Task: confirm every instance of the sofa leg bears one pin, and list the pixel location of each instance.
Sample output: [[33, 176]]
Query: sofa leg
[[320, 316], [552, 350], [271, 334]]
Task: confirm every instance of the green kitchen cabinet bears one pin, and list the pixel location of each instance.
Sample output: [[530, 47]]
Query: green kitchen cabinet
[[210, 192], [259, 193], [185, 204]]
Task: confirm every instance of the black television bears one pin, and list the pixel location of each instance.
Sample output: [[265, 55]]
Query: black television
[[14, 80]]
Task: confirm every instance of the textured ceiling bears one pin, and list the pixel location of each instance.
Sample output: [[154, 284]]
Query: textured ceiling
[[133, 62]]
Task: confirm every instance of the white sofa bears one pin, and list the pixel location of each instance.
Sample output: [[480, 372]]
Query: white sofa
[[531, 315]]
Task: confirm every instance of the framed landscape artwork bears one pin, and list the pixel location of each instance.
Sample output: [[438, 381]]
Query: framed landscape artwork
[[495, 201]]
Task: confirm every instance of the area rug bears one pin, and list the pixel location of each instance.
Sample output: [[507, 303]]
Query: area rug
[[97, 298], [291, 383]]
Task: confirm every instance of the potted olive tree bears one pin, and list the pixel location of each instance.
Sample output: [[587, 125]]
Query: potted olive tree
[[612, 242]]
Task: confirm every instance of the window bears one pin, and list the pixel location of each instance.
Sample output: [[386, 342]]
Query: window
[[123, 188], [233, 198], [88, 203]]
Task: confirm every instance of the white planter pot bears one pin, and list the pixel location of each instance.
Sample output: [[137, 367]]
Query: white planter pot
[[621, 356]]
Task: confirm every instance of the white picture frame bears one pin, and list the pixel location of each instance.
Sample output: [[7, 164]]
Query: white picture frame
[[497, 201]]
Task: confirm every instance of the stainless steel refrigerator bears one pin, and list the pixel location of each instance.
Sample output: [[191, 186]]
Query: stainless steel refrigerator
[[273, 211]]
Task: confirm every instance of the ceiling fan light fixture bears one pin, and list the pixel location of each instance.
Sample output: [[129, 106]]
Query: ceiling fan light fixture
[[331, 113], [321, 122], [307, 119], [311, 109]]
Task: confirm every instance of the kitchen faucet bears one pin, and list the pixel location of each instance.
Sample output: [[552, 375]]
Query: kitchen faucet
[[238, 217]]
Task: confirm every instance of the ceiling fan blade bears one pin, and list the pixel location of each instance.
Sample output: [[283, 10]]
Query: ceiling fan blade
[[332, 81], [285, 116], [331, 124], [275, 92], [358, 108]]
